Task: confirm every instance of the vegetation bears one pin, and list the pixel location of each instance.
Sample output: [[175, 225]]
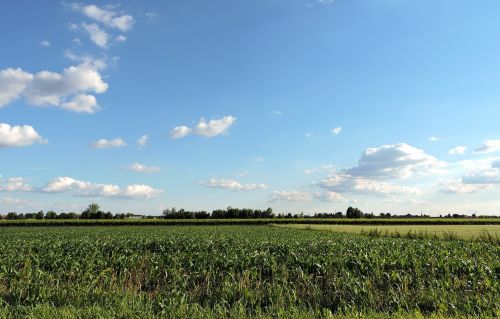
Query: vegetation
[[93, 211], [490, 233], [238, 272], [255, 221]]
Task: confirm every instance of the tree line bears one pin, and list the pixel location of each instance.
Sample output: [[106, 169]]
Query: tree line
[[93, 211]]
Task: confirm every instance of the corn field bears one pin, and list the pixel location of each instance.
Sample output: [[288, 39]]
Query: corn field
[[240, 271]]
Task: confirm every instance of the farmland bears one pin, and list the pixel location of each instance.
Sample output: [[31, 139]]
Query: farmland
[[472, 232], [240, 271], [250, 221]]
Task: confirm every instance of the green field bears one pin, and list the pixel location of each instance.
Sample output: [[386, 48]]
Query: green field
[[249, 221], [240, 271], [439, 231]]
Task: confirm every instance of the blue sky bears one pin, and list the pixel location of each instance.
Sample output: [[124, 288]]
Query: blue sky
[[388, 105]]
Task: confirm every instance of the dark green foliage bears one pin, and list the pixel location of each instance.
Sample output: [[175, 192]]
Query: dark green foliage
[[354, 212]]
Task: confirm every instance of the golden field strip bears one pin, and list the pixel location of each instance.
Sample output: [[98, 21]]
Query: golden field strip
[[441, 231]]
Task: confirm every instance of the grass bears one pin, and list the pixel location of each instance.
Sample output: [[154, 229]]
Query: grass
[[469, 232], [241, 272]]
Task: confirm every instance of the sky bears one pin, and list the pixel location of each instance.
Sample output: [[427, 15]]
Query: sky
[[299, 105]]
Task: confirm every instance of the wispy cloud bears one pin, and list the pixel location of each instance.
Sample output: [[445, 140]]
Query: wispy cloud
[[104, 143], [233, 185]]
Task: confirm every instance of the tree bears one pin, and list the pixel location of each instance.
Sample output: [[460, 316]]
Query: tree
[[353, 212], [91, 212], [51, 215], [39, 215]]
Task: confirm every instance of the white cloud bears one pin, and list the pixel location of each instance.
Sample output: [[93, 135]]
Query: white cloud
[[141, 191], [277, 113], [107, 16], [489, 146], [140, 168], [77, 41], [459, 150], [485, 176], [211, 128], [121, 38], [81, 103], [232, 185], [395, 161], [331, 197], [143, 140], [180, 131], [290, 196], [434, 139], [344, 183], [214, 127], [495, 164], [99, 36], [322, 168], [57, 89], [16, 136], [460, 188], [45, 43], [88, 60], [83, 188], [12, 83], [103, 143], [15, 184], [337, 130]]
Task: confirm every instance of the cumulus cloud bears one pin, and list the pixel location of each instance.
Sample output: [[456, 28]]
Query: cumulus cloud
[[108, 16], [232, 185], [459, 150], [434, 139], [143, 140], [214, 127], [16, 136], [290, 196], [461, 188], [141, 168], [15, 184], [12, 83], [485, 176], [180, 131], [337, 130], [211, 128], [331, 197], [395, 161], [103, 143], [81, 103], [66, 90], [489, 146], [344, 183], [88, 189], [141, 191], [99, 36]]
